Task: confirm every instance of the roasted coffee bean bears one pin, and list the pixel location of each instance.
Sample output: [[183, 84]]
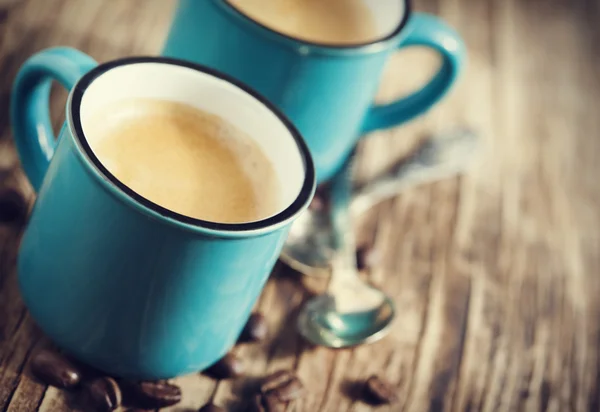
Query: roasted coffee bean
[[141, 409], [366, 257], [272, 403], [256, 329], [265, 403], [13, 206], [288, 391], [256, 404], [103, 394], [152, 394], [284, 385], [275, 380], [229, 366], [54, 369], [379, 391], [211, 407]]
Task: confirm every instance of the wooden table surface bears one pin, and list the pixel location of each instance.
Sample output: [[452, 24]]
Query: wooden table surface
[[496, 275]]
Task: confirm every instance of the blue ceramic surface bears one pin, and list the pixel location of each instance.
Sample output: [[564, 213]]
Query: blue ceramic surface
[[117, 281], [326, 91]]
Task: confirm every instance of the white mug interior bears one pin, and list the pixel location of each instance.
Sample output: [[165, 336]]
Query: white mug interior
[[172, 82], [388, 15]]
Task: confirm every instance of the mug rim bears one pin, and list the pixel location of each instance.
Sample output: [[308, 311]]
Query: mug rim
[[128, 195], [363, 47]]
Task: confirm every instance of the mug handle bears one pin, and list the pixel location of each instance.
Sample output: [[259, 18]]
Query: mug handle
[[428, 31], [30, 109]]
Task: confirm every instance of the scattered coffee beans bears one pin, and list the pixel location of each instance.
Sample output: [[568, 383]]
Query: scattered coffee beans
[[271, 404], [366, 257], [229, 366], [256, 329], [256, 404], [265, 403], [151, 394], [379, 391], [274, 380], [103, 394], [13, 206], [54, 369], [276, 391], [283, 385], [289, 391], [211, 407]]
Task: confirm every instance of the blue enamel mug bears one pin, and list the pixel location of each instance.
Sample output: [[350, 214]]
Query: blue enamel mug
[[116, 280], [326, 90]]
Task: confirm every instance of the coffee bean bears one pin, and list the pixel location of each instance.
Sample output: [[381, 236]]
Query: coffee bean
[[275, 380], [229, 366], [288, 391], [152, 394], [103, 394], [284, 385], [256, 329], [265, 403], [142, 409], [272, 403], [13, 206], [379, 391], [211, 407], [366, 257], [54, 369], [256, 404]]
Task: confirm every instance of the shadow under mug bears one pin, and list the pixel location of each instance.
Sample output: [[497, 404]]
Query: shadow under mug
[[326, 90], [116, 280]]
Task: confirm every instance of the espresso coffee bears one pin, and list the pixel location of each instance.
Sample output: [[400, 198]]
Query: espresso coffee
[[185, 160], [319, 21]]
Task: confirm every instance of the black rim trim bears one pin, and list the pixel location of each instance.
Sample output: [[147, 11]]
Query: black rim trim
[[296, 206], [407, 12]]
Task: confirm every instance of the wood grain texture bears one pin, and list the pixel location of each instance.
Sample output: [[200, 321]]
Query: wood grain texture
[[496, 275]]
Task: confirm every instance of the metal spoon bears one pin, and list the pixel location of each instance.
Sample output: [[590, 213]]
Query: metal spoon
[[309, 247], [351, 312]]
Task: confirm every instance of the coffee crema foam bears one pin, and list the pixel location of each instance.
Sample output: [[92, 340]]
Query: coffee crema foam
[[320, 21], [185, 160]]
